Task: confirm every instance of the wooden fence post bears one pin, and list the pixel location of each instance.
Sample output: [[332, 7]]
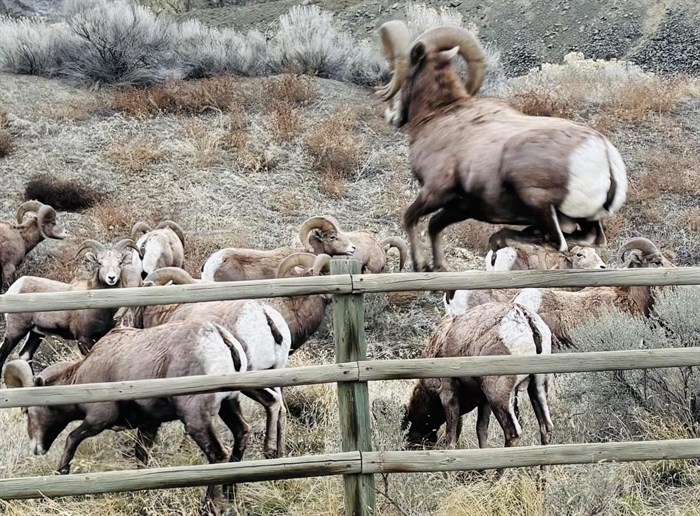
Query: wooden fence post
[[353, 397]]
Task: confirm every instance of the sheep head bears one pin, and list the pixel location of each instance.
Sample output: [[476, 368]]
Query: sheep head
[[108, 261], [423, 70], [174, 227], [46, 219], [323, 235], [44, 424], [169, 275], [423, 415], [642, 252], [585, 258]]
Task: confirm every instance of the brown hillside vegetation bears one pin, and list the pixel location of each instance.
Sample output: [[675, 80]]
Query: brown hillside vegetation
[[241, 161]]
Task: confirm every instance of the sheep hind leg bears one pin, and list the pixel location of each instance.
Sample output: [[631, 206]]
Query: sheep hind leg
[[145, 437], [231, 415], [549, 220], [199, 427], [271, 399], [450, 214], [425, 203], [450, 404], [30, 346]]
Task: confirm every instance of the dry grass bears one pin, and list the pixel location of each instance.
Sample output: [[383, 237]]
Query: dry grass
[[691, 219], [62, 194], [285, 122], [61, 264], [118, 219], [290, 88], [206, 145], [134, 154], [474, 235], [179, 98]]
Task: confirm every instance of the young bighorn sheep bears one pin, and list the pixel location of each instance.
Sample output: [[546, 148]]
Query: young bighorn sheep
[[482, 159], [127, 354], [159, 247], [521, 256], [490, 329], [563, 311], [259, 328], [86, 326], [316, 232], [35, 222]]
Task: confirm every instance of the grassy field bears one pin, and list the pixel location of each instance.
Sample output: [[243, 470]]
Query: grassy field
[[241, 161]]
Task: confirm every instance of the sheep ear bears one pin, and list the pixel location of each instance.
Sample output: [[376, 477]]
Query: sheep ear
[[91, 257], [417, 53], [449, 54]]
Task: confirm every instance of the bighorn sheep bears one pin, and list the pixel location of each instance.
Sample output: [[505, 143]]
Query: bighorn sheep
[[35, 222], [482, 159], [321, 234], [563, 311], [259, 328], [127, 354], [159, 247], [86, 326], [316, 232], [520, 256], [490, 329]]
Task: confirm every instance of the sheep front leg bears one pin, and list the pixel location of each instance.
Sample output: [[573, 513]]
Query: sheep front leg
[[30, 346], [482, 423], [450, 404], [77, 436]]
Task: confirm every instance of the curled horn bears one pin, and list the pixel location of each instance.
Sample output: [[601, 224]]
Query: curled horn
[[445, 38], [139, 228], [126, 243], [175, 227], [18, 373], [54, 370], [396, 41], [27, 206], [305, 260], [401, 245], [165, 274], [322, 263], [643, 244], [324, 223], [45, 214], [91, 244]]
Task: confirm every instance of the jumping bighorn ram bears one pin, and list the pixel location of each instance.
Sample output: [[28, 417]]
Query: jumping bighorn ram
[[127, 354], [86, 326], [482, 159], [35, 222], [487, 330]]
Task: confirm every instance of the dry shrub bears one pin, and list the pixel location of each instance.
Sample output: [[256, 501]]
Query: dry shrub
[[285, 121], [634, 102], [60, 264], [691, 218], [337, 150], [62, 194], [178, 98], [207, 145], [672, 168], [6, 142], [543, 102], [615, 226], [117, 218], [290, 88]]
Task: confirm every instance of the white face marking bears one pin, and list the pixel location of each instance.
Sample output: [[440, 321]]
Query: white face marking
[[213, 263], [530, 298], [589, 179], [392, 114], [154, 256], [505, 259], [588, 259]]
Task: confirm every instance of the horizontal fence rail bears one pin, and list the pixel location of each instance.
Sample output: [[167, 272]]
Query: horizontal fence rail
[[363, 371], [344, 284], [345, 463]]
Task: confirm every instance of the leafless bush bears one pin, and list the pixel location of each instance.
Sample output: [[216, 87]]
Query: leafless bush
[[134, 154], [619, 403], [62, 194], [291, 88]]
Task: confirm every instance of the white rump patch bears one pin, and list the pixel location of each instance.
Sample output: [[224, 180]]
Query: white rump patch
[[619, 172], [589, 180], [530, 298], [459, 303], [215, 355], [213, 264], [505, 259], [515, 333], [254, 333]]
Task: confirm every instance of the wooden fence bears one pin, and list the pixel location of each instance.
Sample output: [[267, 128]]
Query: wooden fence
[[357, 462]]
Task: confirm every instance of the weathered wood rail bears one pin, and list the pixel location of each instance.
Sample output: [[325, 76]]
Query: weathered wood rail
[[357, 462]]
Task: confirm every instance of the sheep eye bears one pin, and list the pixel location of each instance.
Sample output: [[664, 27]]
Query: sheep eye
[[580, 255], [332, 237]]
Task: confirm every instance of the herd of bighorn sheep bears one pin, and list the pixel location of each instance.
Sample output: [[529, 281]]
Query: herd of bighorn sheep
[[474, 158]]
